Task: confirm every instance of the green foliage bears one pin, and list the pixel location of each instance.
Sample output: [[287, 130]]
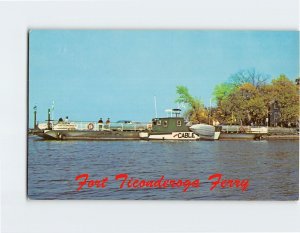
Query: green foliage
[[243, 106], [287, 94], [245, 99], [184, 96], [248, 103], [196, 111], [222, 91]]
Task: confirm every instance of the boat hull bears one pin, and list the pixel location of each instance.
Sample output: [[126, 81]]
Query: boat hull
[[181, 136], [173, 136], [89, 135], [237, 136]]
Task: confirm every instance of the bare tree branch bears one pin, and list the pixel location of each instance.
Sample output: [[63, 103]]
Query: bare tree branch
[[257, 79]]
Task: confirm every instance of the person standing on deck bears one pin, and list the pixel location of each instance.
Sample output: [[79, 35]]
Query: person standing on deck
[[108, 123], [100, 123]]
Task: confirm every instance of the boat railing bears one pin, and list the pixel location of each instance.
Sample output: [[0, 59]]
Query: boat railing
[[244, 129], [95, 126], [259, 129]]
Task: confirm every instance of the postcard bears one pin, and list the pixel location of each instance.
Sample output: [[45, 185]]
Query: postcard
[[163, 115]]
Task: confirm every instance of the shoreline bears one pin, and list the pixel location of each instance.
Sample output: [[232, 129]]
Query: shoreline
[[275, 133]]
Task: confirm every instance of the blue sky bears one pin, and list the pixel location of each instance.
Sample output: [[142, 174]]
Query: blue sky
[[116, 73]]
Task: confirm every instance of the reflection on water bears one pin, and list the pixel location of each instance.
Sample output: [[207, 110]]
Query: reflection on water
[[271, 167]]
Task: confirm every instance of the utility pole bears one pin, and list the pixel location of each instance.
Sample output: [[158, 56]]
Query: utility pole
[[49, 118], [52, 112], [209, 111], [34, 117], [267, 119]]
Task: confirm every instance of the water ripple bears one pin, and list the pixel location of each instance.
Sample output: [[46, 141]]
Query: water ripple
[[271, 166]]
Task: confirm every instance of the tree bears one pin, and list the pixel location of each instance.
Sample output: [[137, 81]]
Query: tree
[[287, 94], [196, 111], [257, 79], [185, 97], [233, 97], [248, 103], [244, 106], [222, 91]]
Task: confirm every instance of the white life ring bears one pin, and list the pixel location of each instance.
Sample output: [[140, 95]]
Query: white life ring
[[90, 126]]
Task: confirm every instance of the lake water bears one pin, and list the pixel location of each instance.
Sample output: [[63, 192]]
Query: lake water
[[271, 167]]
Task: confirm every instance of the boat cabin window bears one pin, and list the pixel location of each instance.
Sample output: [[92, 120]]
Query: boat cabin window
[[158, 122], [179, 123], [165, 123]]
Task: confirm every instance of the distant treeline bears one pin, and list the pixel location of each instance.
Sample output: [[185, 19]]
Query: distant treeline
[[246, 99]]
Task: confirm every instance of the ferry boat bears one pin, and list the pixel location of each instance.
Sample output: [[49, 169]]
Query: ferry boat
[[93, 131], [176, 128], [172, 127]]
